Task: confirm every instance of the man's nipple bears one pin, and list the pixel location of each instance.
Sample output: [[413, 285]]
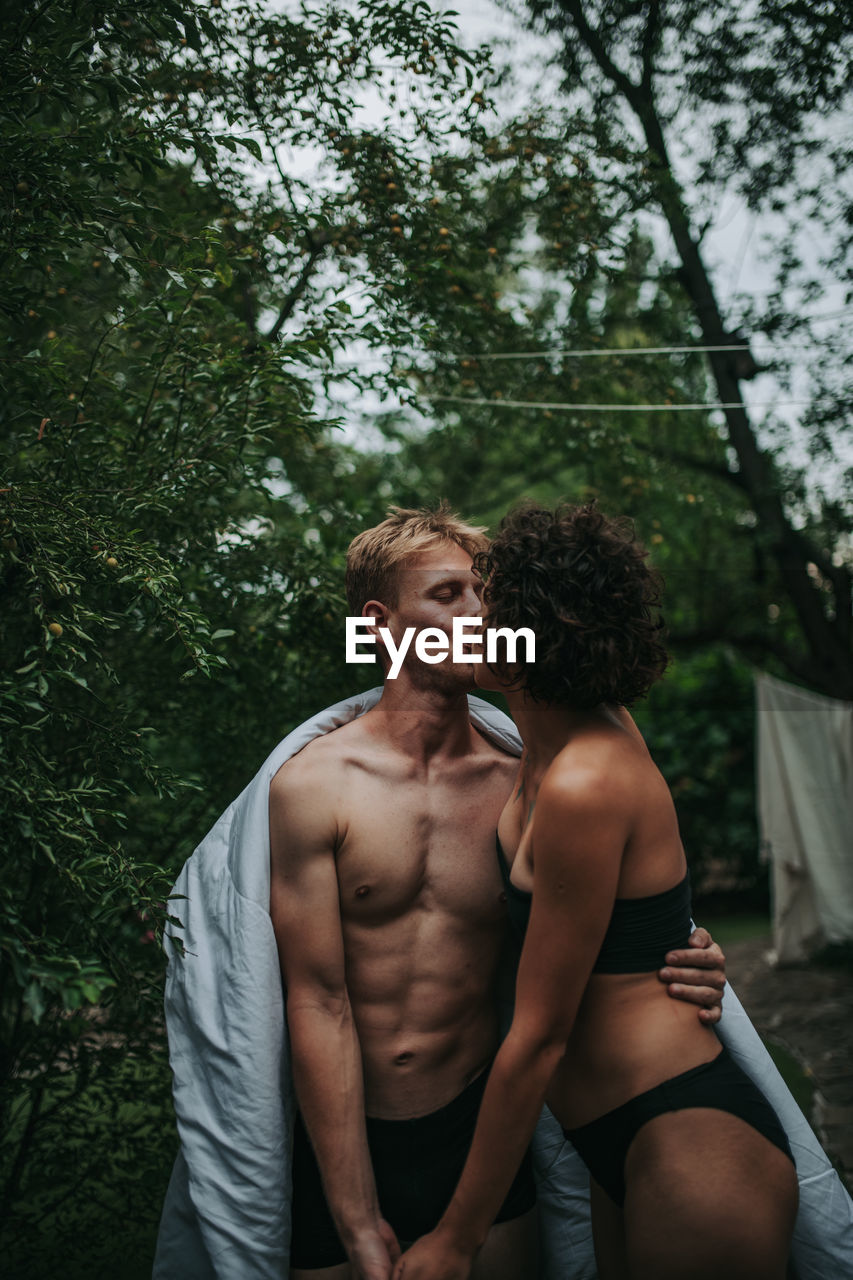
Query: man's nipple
[[362, 891]]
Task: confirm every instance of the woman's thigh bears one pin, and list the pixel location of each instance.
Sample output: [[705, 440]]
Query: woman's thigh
[[511, 1251], [707, 1196], [608, 1234]]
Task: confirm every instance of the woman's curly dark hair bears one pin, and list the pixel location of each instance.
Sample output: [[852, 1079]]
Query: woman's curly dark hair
[[580, 580]]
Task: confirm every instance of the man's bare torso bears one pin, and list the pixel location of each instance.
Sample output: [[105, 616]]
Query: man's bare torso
[[421, 905]]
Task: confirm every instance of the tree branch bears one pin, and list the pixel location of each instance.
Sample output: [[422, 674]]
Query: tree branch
[[716, 469], [287, 307], [598, 49], [650, 41]]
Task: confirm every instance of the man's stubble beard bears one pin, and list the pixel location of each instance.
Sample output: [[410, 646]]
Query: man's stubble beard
[[445, 677]]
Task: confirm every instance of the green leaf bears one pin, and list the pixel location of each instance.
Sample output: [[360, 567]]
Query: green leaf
[[252, 146], [34, 1000]]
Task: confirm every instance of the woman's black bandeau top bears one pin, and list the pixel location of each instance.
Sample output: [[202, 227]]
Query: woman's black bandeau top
[[641, 930]]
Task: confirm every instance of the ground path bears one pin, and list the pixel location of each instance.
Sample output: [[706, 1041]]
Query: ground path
[[809, 1011]]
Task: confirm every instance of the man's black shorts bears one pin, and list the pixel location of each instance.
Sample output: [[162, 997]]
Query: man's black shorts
[[416, 1164]]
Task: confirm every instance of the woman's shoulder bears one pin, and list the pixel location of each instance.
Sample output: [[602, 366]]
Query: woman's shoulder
[[606, 768]]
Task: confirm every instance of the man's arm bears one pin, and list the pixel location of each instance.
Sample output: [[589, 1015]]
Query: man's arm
[[327, 1068]]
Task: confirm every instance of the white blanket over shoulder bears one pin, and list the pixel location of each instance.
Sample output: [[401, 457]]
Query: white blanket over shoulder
[[227, 1209]]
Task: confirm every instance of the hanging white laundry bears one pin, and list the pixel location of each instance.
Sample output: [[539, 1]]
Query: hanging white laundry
[[805, 809]]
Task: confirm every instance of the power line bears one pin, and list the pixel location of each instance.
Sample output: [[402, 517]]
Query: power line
[[616, 408], [594, 351], [582, 353]]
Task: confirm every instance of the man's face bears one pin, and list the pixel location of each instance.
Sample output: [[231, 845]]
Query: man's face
[[433, 588]]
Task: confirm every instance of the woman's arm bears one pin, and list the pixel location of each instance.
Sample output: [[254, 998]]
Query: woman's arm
[[580, 828]]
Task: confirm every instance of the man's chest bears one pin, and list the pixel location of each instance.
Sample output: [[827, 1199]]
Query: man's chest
[[412, 846]]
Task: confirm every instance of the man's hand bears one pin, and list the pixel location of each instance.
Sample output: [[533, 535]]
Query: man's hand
[[373, 1253], [697, 975], [435, 1257]]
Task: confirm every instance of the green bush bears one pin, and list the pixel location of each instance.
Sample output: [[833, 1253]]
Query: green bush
[[699, 723]]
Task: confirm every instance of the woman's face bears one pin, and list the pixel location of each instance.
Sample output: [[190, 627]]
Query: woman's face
[[486, 678], [501, 675]]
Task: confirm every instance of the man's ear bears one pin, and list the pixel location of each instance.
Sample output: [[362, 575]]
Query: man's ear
[[378, 614]]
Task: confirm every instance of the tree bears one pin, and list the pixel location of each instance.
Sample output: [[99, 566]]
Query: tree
[[749, 87], [170, 506]]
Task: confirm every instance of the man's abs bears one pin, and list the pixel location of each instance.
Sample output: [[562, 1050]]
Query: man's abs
[[426, 1015], [424, 923]]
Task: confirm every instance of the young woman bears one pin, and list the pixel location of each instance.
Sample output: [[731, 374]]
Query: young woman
[[597, 882]]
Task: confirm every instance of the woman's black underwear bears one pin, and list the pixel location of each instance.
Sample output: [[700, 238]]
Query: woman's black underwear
[[416, 1164], [720, 1084]]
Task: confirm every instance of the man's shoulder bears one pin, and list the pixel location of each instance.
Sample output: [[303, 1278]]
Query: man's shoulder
[[311, 761], [321, 759], [302, 800]]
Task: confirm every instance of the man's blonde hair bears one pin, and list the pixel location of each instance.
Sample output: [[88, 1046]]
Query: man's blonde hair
[[374, 555]]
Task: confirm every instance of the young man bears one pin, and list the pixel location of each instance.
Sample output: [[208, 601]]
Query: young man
[[389, 915]]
